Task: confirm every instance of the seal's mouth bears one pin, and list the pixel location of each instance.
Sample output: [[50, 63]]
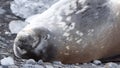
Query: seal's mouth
[[22, 51]]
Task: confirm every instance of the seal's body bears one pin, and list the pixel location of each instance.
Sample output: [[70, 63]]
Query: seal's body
[[72, 31]]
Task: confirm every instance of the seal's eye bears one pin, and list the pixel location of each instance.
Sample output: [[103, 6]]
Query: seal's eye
[[46, 37]]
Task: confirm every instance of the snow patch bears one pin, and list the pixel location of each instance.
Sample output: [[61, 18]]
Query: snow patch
[[67, 47], [78, 41], [79, 33]]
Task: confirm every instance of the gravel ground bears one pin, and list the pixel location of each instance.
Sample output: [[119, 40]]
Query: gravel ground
[[6, 43], [6, 38]]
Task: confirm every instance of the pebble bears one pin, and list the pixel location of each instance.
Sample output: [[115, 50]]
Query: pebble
[[30, 61], [7, 33], [28, 66], [2, 11], [39, 66], [13, 66], [49, 66], [111, 65], [7, 61], [57, 62], [40, 62], [16, 25], [97, 62]]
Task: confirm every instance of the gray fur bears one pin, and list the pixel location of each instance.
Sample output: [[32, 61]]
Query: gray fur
[[78, 31]]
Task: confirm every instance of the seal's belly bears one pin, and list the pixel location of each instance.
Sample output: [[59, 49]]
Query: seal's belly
[[102, 42]]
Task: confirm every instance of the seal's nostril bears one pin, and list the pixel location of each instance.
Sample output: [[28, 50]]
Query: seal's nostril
[[22, 41], [45, 37]]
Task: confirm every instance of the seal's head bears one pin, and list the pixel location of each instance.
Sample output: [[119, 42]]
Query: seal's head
[[30, 44]]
